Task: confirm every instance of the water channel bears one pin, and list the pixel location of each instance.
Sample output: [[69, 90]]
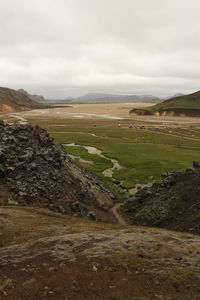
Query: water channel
[[108, 172]]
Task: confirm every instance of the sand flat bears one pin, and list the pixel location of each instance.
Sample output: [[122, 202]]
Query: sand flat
[[115, 111], [102, 110]]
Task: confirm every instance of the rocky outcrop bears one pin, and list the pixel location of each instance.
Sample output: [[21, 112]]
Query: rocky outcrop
[[36, 172], [173, 204], [179, 112], [139, 112]]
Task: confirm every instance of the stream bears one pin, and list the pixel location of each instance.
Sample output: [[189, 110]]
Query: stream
[[108, 172]]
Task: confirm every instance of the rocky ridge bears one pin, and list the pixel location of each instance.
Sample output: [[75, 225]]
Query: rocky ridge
[[173, 204], [37, 98], [36, 172]]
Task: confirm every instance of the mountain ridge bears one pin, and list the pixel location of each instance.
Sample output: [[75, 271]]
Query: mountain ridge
[[12, 100], [37, 98], [111, 98]]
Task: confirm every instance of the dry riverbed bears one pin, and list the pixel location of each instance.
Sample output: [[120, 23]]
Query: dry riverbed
[[112, 111]]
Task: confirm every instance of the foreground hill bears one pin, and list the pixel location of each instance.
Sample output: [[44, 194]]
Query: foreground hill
[[186, 105], [12, 100], [45, 255], [36, 172], [174, 203]]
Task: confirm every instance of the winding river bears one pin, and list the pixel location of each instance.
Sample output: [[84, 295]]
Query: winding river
[[107, 172]]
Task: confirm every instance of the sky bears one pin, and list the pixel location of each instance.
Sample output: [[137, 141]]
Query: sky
[[61, 48]]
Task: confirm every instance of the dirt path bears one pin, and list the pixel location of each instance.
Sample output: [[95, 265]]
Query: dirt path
[[119, 217]]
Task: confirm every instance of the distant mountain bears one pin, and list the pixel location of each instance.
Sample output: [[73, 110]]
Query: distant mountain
[[36, 98], [187, 105], [110, 98]]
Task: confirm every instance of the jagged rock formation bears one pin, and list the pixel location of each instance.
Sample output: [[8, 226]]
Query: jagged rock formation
[[173, 204], [139, 112], [36, 172]]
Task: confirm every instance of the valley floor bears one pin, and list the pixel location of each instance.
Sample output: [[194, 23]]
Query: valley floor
[[129, 153]]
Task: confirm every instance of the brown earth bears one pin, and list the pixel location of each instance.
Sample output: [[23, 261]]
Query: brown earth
[[95, 263], [45, 278]]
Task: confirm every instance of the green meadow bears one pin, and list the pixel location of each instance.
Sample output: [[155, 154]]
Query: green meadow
[[143, 154]]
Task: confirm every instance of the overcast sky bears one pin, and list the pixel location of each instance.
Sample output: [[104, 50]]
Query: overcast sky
[[60, 48]]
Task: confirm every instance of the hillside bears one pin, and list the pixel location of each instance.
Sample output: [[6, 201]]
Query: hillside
[[36, 172], [37, 98], [12, 100], [173, 204], [186, 105]]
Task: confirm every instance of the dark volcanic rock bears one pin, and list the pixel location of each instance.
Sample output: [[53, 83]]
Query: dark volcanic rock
[[173, 204], [36, 172]]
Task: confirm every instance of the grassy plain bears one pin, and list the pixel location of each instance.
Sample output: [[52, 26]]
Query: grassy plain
[[143, 154]]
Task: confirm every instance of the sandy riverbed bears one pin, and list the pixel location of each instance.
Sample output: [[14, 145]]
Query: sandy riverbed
[[115, 111]]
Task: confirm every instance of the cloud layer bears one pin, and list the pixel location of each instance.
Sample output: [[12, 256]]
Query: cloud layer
[[69, 47]]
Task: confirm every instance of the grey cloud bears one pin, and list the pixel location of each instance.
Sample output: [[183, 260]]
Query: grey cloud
[[65, 47]]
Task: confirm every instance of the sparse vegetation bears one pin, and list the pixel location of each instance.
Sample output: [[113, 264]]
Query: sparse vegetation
[[22, 225], [182, 274], [126, 259]]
